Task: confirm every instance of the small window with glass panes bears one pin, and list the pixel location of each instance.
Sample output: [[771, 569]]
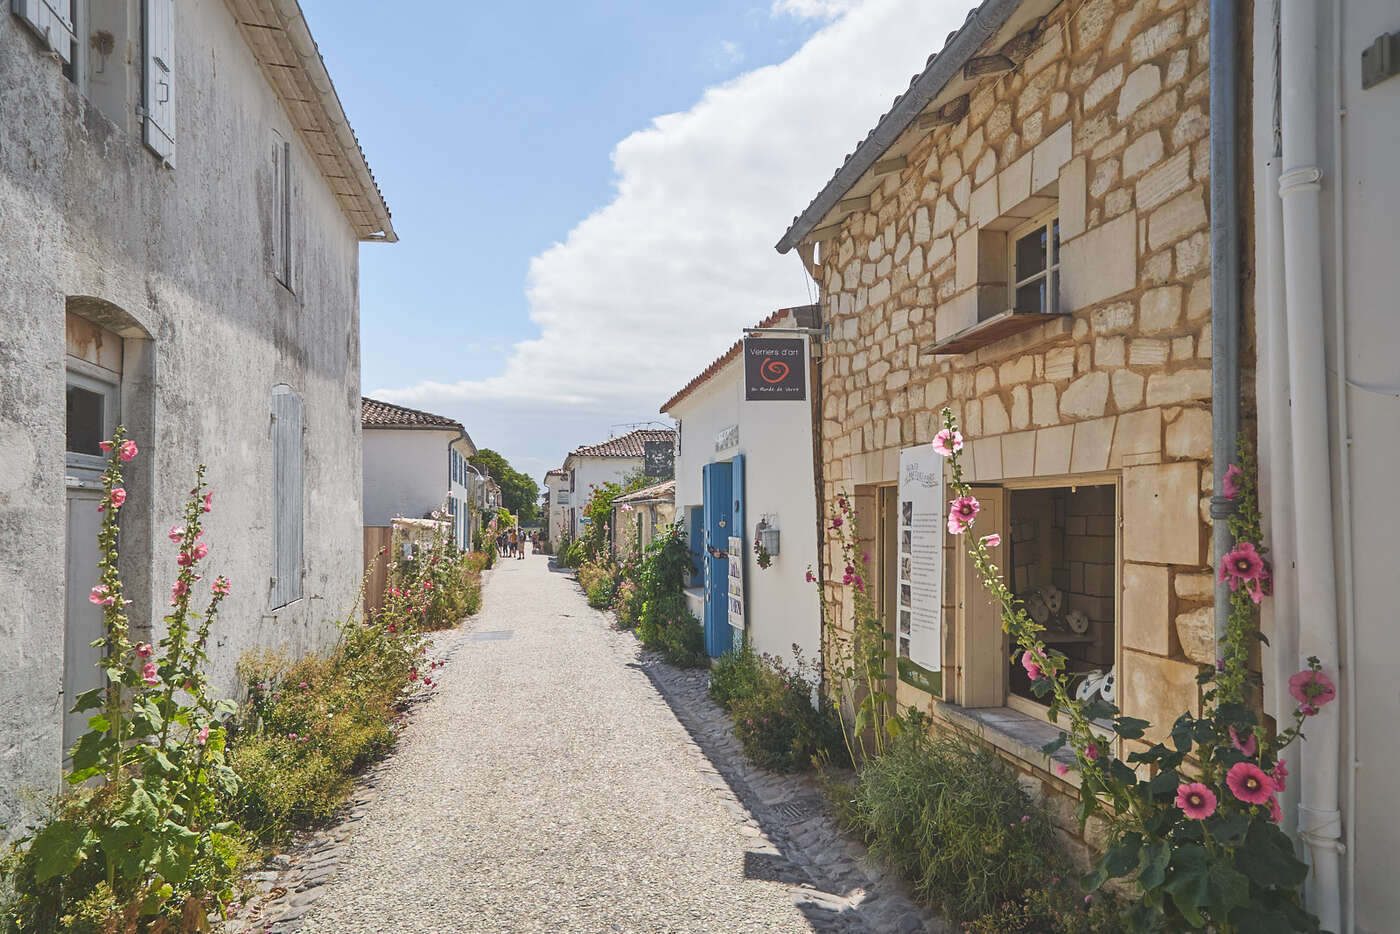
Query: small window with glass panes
[[1035, 266]]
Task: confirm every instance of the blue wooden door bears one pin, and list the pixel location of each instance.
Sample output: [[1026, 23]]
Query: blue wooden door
[[718, 521], [739, 528]]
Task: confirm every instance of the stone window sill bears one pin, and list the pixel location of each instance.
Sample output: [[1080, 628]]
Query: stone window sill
[[988, 331], [1017, 734]]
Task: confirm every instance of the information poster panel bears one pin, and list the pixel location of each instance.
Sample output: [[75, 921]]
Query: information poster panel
[[736, 583], [919, 634]]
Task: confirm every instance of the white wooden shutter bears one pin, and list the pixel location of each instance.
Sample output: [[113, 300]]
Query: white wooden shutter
[[158, 19], [287, 496], [52, 20]]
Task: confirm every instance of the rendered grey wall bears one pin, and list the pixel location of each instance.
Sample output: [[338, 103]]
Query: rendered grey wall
[[185, 253]]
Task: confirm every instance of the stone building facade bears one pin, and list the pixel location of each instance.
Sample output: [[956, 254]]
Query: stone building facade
[[1071, 146], [184, 202]]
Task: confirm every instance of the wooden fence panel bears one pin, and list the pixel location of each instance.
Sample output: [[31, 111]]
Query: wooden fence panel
[[377, 538]]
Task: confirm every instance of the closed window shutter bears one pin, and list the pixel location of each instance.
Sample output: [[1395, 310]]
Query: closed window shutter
[[287, 493], [52, 20], [158, 18]]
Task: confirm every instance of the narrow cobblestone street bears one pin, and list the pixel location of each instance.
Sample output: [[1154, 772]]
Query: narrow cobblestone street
[[548, 786]]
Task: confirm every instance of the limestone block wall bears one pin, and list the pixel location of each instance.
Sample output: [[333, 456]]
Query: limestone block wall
[[1104, 123]]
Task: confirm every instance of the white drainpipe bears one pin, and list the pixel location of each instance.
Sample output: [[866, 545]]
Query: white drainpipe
[[1319, 820]]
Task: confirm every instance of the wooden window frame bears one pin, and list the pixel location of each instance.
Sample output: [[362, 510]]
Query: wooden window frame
[[1045, 221], [93, 379]]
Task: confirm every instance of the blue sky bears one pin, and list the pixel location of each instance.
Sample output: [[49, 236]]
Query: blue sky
[[587, 194]]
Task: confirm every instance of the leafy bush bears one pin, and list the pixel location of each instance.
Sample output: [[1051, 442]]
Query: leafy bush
[[571, 554], [734, 675], [952, 820], [680, 639], [628, 604], [449, 578], [774, 716], [1057, 906], [599, 581]]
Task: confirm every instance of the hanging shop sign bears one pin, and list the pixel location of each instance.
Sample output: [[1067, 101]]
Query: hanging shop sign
[[736, 582], [775, 369], [919, 630]]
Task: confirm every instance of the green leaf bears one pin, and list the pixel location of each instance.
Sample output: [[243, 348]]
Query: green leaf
[[1122, 855], [89, 700], [1229, 828], [1100, 710], [1226, 889], [1122, 773], [1181, 733], [91, 750], [1257, 919], [1187, 885], [1130, 727], [1152, 865], [1094, 878], [1266, 857], [57, 849], [1054, 746], [1164, 783]]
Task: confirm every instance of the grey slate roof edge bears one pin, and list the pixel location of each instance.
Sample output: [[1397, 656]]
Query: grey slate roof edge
[[981, 24]]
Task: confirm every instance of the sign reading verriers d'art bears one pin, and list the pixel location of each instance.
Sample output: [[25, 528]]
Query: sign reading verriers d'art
[[775, 369]]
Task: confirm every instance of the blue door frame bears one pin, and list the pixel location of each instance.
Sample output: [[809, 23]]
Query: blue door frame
[[718, 489]]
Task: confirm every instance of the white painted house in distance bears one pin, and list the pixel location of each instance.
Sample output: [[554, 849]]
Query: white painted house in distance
[[744, 470], [183, 203], [612, 461], [417, 463], [556, 503]]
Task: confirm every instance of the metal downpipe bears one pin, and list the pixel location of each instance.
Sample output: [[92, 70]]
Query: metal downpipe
[[1225, 281]]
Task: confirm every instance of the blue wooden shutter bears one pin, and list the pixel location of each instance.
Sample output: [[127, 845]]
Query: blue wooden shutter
[[158, 97], [287, 496], [51, 20]]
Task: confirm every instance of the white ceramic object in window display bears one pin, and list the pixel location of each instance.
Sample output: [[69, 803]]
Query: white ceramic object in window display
[[1078, 623]]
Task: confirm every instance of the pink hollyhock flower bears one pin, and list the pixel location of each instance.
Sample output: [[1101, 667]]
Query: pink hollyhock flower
[[200, 550], [1249, 745], [1091, 752], [413, 675], [101, 596], [1241, 565], [811, 577], [1195, 800], [393, 628], [202, 736], [118, 497], [127, 451], [1230, 483], [148, 673], [991, 541], [1311, 689], [1249, 783], [1061, 769], [292, 737], [221, 585], [1280, 775], [1275, 812], [105, 446], [183, 559], [1032, 666], [209, 501], [961, 513], [144, 649], [948, 442], [176, 534], [301, 684], [180, 589], [836, 522]]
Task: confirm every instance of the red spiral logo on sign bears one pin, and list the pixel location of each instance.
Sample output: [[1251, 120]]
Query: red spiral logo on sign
[[773, 371]]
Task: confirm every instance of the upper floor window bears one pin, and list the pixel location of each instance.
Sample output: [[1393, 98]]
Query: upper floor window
[[282, 210], [287, 527], [91, 418], [1035, 266]]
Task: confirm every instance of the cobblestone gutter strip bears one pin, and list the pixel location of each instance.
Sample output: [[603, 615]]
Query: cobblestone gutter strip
[[833, 883], [291, 881]]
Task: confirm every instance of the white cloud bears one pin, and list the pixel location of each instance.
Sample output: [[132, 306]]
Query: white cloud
[[643, 293], [814, 9], [730, 53]]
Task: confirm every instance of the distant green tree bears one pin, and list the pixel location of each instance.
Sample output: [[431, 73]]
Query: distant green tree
[[519, 493]]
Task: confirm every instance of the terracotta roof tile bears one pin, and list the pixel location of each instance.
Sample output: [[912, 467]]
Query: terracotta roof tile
[[656, 491], [376, 414], [632, 444]]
